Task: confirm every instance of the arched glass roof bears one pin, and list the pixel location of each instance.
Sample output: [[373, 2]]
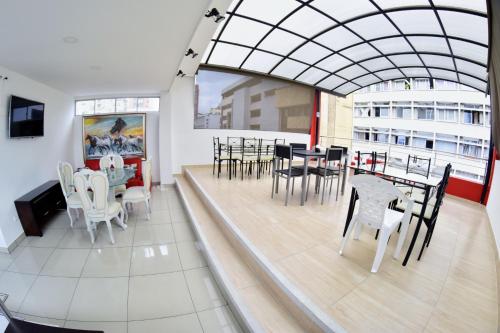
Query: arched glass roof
[[343, 45]]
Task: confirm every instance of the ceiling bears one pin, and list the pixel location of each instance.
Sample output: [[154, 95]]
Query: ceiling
[[341, 46], [124, 46]]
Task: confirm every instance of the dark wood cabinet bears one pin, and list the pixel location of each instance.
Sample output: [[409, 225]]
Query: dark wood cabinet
[[36, 207]]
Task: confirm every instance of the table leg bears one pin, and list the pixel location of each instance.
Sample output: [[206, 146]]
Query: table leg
[[304, 181], [417, 228], [344, 176]]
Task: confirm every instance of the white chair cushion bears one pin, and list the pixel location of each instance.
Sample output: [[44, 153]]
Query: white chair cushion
[[417, 208], [113, 208], [134, 193]]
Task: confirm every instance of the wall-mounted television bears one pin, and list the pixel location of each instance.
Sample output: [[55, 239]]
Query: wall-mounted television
[[25, 117]]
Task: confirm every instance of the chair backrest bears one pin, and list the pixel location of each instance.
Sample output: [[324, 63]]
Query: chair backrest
[[215, 141], [298, 146], [363, 157], [344, 149], [375, 194], [279, 141], [284, 152], [97, 182], [65, 173], [146, 175], [333, 154], [111, 161], [418, 165]]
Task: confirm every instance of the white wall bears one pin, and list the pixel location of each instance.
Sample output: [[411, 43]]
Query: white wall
[[152, 146], [28, 163], [181, 144], [493, 206]]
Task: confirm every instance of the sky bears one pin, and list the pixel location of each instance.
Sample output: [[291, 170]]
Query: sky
[[211, 84]]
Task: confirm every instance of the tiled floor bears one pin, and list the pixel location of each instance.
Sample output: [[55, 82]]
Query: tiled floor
[[153, 279]]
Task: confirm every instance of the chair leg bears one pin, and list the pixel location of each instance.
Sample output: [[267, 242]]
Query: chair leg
[[125, 211], [213, 168], [381, 246], [307, 188], [347, 235], [91, 233], [110, 231], [426, 239], [293, 185], [323, 194], [77, 213], [401, 239], [148, 210], [287, 190], [357, 231], [70, 217], [338, 183]]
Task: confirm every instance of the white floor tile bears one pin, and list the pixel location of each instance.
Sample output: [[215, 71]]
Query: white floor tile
[[107, 327], [153, 234], [40, 320], [156, 217], [191, 256], [61, 221], [31, 260], [181, 324], [100, 299], [108, 262], [15, 285], [5, 261], [154, 259], [76, 239], [49, 297], [178, 215], [66, 262], [122, 237], [50, 238], [183, 232], [218, 320], [204, 290], [158, 296]]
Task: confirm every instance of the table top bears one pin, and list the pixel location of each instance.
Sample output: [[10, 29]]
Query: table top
[[308, 153], [401, 174], [119, 176]]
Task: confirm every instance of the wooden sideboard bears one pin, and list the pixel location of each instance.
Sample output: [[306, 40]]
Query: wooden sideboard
[[36, 207]]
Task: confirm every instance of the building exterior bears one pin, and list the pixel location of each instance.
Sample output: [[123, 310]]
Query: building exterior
[[335, 125], [208, 120], [446, 121], [262, 104]]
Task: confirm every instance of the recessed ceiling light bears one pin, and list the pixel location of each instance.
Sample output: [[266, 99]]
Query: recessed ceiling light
[[70, 40]]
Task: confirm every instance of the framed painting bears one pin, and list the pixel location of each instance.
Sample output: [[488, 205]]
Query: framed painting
[[123, 134]]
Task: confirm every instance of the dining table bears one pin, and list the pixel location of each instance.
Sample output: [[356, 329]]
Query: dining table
[[399, 177], [118, 177], [307, 155]]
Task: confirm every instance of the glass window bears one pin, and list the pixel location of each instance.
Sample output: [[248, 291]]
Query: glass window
[[84, 107], [472, 117], [421, 84], [147, 104], [255, 113], [424, 113], [446, 146], [105, 105], [255, 98], [126, 105], [449, 115]]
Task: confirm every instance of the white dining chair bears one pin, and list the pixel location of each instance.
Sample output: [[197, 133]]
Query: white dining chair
[[65, 173], [113, 161], [375, 195], [136, 194], [96, 207]]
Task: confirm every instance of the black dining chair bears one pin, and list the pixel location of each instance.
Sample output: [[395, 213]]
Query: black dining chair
[[284, 153], [379, 161], [362, 159], [418, 165], [220, 155], [332, 169]]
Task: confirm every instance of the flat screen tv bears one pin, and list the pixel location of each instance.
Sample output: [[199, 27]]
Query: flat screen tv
[[25, 117]]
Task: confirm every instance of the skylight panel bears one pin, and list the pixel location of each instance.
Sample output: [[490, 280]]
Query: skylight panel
[[289, 69], [389, 74], [469, 50], [268, 11], [429, 44], [443, 74], [366, 80], [228, 55], [373, 27], [438, 61], [312, 75], [468, 67], [415, 72], [347, 88], [416, 21], [243, 31], [392, 45], [476, 5], [351, 72], [338, 38], [377, 64], [471, 81], [307, 22], [333, 63], [386, 4], [281, 42], [331, 82], [340, 11], [465, 25], [261, 61], [360, 52], [310, 53], [406, 60]]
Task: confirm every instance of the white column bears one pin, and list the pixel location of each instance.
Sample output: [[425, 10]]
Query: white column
[[165, 138]]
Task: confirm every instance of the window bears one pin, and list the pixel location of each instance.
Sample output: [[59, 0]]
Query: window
[[112, 105], [445, 85], [400, 137], [361, 133], [424, 113], [255, 98], [381, 86], [255, 113], [245, 99], [421, 84], [448, 115], [399, 85], [381, 109], [472, 117], [380, 135], [361, 110]]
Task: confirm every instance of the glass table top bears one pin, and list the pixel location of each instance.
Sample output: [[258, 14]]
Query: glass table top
[[117, 177]]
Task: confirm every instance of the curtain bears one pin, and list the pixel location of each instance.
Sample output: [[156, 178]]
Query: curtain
[[494, 71]]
